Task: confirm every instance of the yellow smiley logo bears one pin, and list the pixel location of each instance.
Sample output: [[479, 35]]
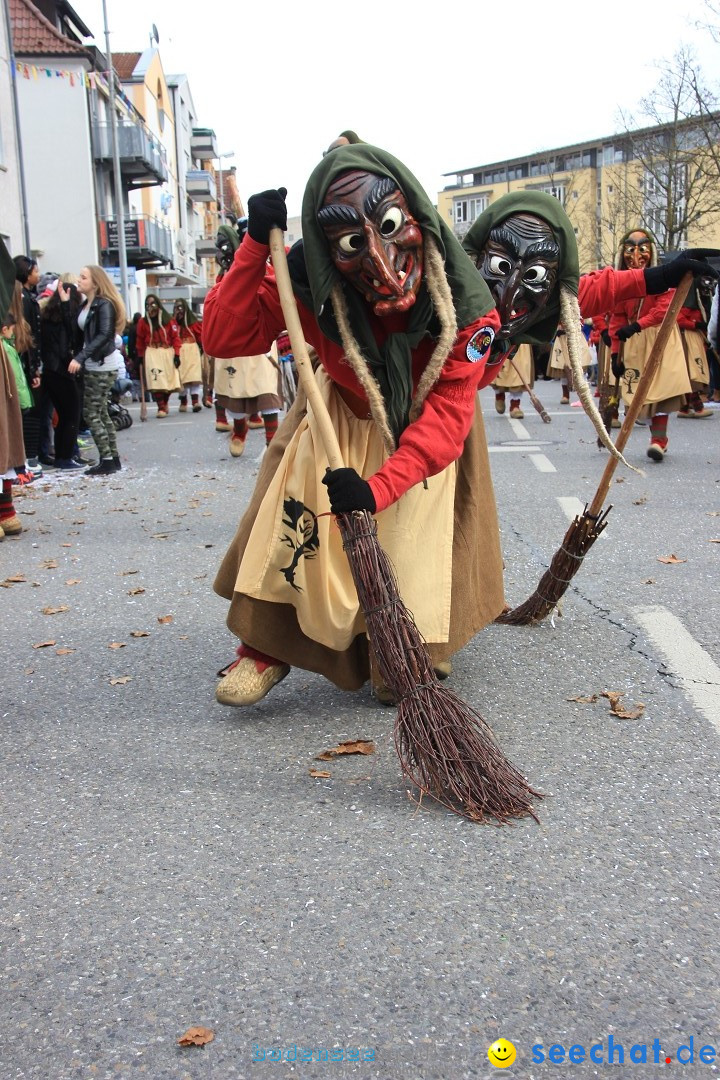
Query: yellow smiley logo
[[501, 1054]]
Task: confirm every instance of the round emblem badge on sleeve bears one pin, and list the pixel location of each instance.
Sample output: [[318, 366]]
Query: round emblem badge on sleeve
[[479, 344]]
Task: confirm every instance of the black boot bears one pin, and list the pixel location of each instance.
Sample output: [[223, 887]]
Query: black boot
[[103, 468]]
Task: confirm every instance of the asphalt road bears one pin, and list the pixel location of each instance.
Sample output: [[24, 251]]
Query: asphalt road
[[169, 862]]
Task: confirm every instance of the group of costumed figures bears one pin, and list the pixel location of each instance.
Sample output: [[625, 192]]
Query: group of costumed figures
[[247, 392], [621, 339], [406, 326]]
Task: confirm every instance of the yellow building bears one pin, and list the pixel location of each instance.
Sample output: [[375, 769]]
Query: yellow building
[[666, 178]]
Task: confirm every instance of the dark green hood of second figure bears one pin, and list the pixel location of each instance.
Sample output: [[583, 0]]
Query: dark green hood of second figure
[[549, 209]]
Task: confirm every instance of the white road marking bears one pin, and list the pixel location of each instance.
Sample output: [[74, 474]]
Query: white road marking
[[511, 449], [519, 428], [571, 507], [542, 463], [700, 678]]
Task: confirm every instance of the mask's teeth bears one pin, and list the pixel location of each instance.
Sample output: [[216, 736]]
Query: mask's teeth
[[401, 275], [376, 283]]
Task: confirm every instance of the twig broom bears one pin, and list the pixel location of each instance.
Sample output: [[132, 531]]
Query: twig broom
[[586, 527], [445, 748]]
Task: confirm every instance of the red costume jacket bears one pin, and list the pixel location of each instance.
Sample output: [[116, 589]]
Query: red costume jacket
[[651, 313], [159, 339], [243, 316], [191, 333], [601, 291], [690, 317]]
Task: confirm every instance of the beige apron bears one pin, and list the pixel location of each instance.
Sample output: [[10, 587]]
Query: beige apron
[[190, 363], [160, 371], [294, 554], [696, 359], [560, 360], [507, 378], [671, 378], [245, 377]]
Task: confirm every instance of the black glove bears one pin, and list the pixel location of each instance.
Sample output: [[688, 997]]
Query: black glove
[[668, 276], [628, 330], [605, 335], [618, 368], [265, 211], [177, 361], [348, 491], [701, 325]]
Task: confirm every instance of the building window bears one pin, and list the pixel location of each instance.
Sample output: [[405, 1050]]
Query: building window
[[466, 210]]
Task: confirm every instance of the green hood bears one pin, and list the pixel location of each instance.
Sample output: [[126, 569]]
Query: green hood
[[391, 362], [549, 209]]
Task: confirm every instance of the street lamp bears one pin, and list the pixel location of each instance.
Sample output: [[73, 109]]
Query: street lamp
[[229, 154]]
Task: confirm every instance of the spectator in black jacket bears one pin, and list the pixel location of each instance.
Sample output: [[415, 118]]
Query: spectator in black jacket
[[27, 273], [61, 340]]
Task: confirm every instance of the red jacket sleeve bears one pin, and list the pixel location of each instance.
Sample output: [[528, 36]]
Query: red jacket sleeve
[[142, 338], [242, 314], [436, 438], [173, 335], [197, 332], [602, 290]]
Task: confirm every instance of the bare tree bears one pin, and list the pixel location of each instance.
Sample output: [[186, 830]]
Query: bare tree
[[670, 179]]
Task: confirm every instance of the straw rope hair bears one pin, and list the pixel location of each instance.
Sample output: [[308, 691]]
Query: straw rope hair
[[572, 321], [441, 296]]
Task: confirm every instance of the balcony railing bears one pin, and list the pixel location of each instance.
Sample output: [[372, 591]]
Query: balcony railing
[[205, 247], [200, 185], [142, 157], [148, 243], [203, 145]]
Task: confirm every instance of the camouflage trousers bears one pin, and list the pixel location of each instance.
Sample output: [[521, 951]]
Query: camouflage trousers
[[95, 408]]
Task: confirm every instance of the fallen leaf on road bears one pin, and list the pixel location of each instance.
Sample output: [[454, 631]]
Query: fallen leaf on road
[[29, 671], [669, 559], [352, 746], [121, 680], [629, 714], [713, 541], [139, 633], [618, 709], [135, 592], [584, 700], [66, 545], [73, 581], [49, 564], [124, 573], [164, 618], [639, 502], [320, 774], [55, 610], [44, 644], [77, 522], [196, 1036], [16, 579], [117, 644], [648, 581], [160, 536], [63, 652], [619, 479], [713, 513]]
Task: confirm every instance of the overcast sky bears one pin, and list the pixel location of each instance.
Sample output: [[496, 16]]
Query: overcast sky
[[475, 83]]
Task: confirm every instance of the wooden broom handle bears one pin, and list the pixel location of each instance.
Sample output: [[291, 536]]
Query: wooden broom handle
[[642, 388], [300, 353]]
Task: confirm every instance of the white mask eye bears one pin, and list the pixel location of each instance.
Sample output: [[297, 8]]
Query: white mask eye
[[351, 243], [535, 275], [500, 266], [391, 222]]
